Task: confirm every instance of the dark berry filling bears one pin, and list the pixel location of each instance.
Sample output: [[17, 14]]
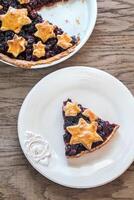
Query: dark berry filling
[[73, 120], [104, 130], [28, 31], [72, 150], [39, 3]]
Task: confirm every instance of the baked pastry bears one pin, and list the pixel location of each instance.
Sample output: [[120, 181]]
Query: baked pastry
[[84, 130], [26, 39]]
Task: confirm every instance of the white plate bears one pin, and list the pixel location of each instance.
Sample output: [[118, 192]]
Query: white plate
[[41, 113], [75, 17]]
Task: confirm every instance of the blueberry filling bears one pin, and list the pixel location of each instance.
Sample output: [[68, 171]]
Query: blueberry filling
[[39, 3], [72, 150], [28, 31], [104, 130]]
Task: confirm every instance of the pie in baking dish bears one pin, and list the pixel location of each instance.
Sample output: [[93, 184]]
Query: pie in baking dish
[[26, 39], [84, 130]]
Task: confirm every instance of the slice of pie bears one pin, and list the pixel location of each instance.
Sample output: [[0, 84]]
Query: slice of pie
[[84, 130], [26, 39]]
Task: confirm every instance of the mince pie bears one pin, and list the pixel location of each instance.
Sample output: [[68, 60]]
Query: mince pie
[[26, 39], [84, 130]]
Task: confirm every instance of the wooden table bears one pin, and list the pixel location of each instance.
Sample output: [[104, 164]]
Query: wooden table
[[111, 48]]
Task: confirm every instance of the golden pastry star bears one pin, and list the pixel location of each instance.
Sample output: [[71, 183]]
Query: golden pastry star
[[71, 109], [45, 31], [64, 41], [39, 49], [1, 7], [84, 133], [88, 113], [14, 19], [16, 45], [24, 1]]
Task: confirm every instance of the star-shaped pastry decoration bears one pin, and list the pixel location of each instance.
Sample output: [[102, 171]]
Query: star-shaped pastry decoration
[[64, 41], [71, 109], [84, 133], [1, 7], [24, 1], [14, 19], [39, 49], [16, 45], [44, 31], [88, 113]]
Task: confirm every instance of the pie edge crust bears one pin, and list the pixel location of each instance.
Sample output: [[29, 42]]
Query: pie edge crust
[[30, 64], [98, 147]]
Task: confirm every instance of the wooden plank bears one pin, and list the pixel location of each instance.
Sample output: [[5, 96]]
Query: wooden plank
[[111, 48]]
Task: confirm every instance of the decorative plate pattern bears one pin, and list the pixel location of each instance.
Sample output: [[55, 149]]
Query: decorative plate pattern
[[37, 148]]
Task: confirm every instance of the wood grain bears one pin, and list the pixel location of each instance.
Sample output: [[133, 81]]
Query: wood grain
[[111, 48]]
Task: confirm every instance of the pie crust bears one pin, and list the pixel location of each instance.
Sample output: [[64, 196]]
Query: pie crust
[[64, 41], [39, 49], [44, 31], [84, 133], [30, 64], [78, 128], [16, 45], [71, 109], [98, 147], [58, 44], [19, 16], [24, 1]]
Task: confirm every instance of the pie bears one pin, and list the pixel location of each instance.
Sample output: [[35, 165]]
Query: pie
[[26, 39], [84, 130]]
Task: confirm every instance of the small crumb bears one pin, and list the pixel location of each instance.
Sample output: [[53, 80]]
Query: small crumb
[[78, 21], [67, 21]]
